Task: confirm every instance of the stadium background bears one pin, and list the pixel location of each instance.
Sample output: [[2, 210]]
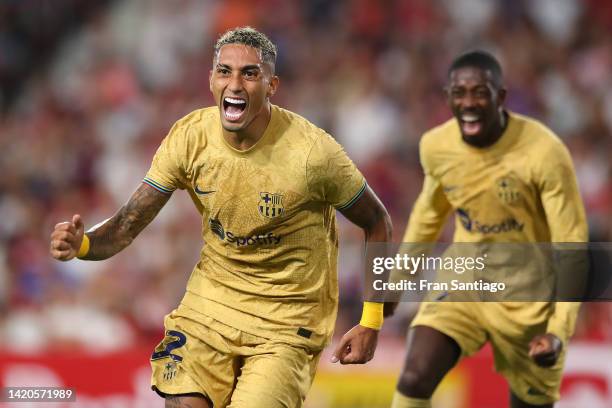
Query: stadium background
[[88, 89]]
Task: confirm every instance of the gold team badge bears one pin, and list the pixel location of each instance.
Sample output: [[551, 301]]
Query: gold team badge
[[508, 190], [170, 370], [270, 205]]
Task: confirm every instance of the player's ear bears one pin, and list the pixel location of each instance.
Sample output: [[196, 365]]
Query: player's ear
[[272, 86], [210, 75]]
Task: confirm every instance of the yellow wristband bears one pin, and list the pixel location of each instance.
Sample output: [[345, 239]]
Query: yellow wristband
[[84, 249], [372, 315]]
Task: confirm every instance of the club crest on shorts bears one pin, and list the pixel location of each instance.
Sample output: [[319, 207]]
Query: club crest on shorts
[[508, 190], [270, 205], [170, 370]]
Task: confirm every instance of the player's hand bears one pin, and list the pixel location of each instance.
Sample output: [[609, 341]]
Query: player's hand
[[545, 349], [66, 239], [389, 308], [357, 346]]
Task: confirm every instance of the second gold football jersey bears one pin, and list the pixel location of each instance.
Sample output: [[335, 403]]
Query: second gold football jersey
[[522, 189]]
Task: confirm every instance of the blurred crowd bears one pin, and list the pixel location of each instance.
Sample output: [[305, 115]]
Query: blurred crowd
[[79, 134], [29, 32]]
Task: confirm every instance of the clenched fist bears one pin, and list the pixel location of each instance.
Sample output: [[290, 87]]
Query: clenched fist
[[357, 346], [545, 349], [66, 239]]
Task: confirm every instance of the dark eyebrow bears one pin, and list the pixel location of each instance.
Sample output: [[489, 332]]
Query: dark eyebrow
[[245, 68], [459, 86], [251, 67]]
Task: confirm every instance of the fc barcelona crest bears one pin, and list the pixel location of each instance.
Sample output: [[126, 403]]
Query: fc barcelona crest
[[271, 205], [508, 190], [170, 371]]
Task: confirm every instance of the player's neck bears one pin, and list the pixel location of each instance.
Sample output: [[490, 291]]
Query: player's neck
[[491, 137], [246, 138]]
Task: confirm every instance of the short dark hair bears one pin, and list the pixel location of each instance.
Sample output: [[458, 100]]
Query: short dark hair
[[479, 59], [251, 37]]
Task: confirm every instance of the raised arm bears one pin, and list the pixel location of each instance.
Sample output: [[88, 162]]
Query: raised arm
[[114, 234]]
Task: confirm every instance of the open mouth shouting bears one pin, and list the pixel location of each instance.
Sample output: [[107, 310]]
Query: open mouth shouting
[[233, 108], [471, 123]]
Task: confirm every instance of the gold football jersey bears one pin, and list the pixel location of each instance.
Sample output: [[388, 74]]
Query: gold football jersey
[[521, 189], [268, 266]]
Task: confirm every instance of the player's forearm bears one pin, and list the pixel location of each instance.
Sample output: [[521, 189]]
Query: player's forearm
[[572, 275], [424, 227], [371, 216], [120, 230], [562, 322], [425, 222], [109, 238], [381, 230], [429, 214]]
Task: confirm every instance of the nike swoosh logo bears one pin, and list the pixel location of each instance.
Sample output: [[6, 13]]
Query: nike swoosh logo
[[200, 192], [449, 189]]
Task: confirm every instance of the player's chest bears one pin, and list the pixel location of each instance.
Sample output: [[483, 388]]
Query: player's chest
[[254, 191], [503, 180]]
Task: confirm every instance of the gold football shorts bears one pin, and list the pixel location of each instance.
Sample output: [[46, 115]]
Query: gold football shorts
[[472, 324], [230, 367]]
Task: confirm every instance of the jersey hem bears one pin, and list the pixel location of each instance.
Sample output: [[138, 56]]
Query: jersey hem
[[229, 317]]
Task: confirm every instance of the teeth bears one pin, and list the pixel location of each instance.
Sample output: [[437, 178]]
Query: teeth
[[469, 118], [233, 115], [235, 101]]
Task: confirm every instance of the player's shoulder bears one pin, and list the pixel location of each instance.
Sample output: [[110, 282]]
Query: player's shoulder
[[192, 131], [440, 137], [301, 131], [537, 134], [298, 124], [198, 117]]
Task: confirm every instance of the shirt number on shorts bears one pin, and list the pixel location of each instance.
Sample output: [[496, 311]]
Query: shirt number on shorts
[[180, 341]]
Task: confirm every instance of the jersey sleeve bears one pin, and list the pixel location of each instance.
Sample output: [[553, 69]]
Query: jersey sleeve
[[431, 207], [427, 216], [331, 175], [562, 321], [560, 196], [566, 218], [166, 173]]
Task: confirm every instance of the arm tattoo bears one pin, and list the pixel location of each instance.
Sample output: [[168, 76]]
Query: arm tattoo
[[121, 229]]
